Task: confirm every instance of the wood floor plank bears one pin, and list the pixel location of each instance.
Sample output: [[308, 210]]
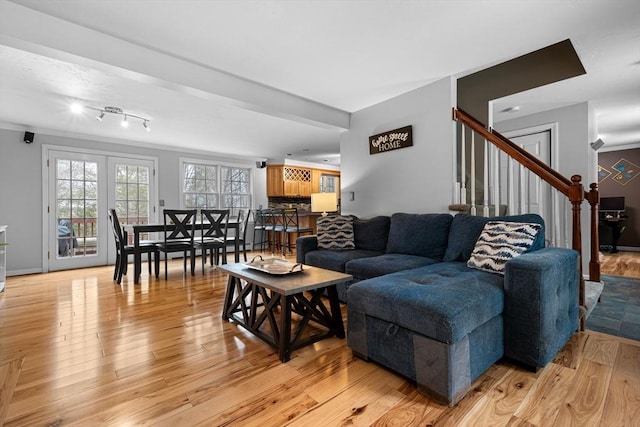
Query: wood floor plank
[[541, 405], [9, 373], [584, 402], [622, 406], [497, 406]]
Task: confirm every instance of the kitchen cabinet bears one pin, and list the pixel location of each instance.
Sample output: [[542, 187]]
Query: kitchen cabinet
[[288, 181], [275, 183], [295, 181]]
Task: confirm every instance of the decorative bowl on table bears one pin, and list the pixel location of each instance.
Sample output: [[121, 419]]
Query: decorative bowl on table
[[274, 265]]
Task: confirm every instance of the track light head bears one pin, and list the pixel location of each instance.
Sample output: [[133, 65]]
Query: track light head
[[124, 122], [146, 126], [100, 116]]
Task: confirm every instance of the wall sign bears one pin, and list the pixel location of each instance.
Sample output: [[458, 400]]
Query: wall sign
[[391, 140]]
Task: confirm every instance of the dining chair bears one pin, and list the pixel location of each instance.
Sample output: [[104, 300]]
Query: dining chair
[[241, 233], [214, 236], [179, 232], [123, 249], [291, 222]]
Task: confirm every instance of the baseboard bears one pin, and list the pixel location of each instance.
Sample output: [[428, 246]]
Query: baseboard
[[629, 248], [23, 272]]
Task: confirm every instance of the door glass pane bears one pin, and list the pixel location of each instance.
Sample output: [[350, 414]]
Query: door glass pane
[[76, 207], [132, 194]]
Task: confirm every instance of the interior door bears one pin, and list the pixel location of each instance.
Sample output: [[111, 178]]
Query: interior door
[[77, 227]]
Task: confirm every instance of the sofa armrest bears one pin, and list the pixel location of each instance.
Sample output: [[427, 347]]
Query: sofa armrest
[[541, 304], [305, 244]]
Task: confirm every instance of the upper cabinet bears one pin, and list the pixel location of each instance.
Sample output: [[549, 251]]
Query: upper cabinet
[[288, 181], [295, 181]]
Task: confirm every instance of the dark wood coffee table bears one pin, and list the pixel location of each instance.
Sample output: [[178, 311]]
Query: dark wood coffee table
[[264, 304]]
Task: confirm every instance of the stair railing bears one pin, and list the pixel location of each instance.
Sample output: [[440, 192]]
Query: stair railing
[[571, 188]]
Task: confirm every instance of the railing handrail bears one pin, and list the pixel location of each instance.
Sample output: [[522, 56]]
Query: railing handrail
[[549, 175], [571, 188]]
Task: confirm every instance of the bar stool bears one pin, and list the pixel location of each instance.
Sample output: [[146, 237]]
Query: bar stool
[[291, 222]]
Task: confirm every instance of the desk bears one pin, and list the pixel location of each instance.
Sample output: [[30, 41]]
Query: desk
[[616, 229], [137, 229]]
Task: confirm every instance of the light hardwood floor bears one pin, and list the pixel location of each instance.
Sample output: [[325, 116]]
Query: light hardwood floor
[[620, 264], [77, 349]]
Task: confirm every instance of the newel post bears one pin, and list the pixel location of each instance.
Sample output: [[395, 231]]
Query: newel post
[[576, 195], [593, 197]]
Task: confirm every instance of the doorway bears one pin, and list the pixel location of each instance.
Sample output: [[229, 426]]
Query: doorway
[[81, 186], [526, 192]]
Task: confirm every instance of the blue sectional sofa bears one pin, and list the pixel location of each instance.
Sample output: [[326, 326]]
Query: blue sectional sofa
[[415, 306]]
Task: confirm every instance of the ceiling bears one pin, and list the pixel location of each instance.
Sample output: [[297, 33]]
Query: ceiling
[[277, 79]]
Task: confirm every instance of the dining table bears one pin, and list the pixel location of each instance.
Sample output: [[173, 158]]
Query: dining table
[[138, 229]]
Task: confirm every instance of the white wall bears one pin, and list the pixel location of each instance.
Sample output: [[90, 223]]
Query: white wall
[[414, 179], [21, 187]]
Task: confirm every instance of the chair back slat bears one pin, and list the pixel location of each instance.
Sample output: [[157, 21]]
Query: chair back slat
[[116, 228], [218, 220], [290, 218], [184, 222]]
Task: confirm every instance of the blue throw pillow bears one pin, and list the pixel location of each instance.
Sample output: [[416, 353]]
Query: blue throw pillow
[[465, 230], [371, 234], [501, 241], [419, 234]]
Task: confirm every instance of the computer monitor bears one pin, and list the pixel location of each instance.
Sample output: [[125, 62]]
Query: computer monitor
[[615, 204]]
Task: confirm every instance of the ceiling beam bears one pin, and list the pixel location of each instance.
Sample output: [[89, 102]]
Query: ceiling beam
[[26, 29]]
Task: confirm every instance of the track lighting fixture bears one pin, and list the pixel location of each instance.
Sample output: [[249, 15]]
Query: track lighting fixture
[[76, 108]]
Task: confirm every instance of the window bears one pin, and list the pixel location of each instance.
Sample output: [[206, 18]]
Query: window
[[236, 188], [210, 185], [200, 187]]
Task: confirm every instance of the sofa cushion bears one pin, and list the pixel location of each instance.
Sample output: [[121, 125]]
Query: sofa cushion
[[419, 234], [501, 241], [336, 260], [444, 301], [335, 232], [366, 268], [371, 234], [465, 230]]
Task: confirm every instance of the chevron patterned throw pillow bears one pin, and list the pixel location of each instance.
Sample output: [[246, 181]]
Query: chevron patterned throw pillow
[[501, 241], [335, 232]]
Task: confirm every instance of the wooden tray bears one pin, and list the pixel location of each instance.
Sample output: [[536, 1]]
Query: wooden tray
[[273, 265]]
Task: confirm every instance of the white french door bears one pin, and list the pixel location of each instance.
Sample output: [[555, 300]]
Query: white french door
[[81, 187], [76, 198], [131, 193]]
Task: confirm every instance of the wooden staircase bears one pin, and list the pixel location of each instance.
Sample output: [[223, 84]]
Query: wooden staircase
[[473, 142]]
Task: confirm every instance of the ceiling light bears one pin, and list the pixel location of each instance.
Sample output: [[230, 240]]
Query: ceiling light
[[513, 109], [77, 108]]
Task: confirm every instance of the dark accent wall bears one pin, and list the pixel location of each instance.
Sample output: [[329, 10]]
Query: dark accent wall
[[550, 64], [612, 187], [544, 66]]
